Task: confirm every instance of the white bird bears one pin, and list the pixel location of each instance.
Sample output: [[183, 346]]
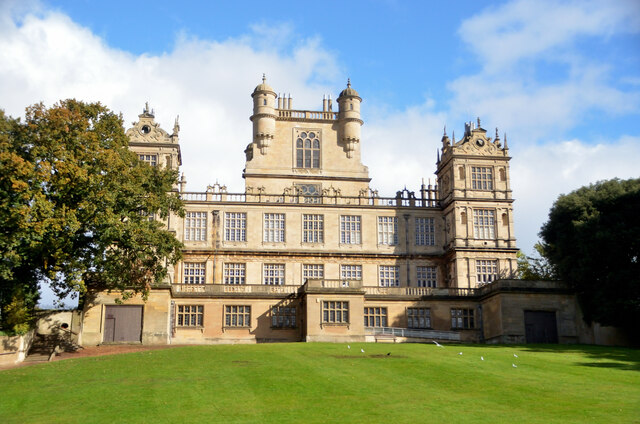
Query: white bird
[[482, 358], [514, 365], [362, 350], [348, 347], [515, 356], [460, 353], [438, 344]]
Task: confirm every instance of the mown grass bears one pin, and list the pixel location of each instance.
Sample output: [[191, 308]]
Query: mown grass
[[328, 383]]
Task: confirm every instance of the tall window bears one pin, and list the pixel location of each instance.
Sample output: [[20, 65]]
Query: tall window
[[313, 271], [237, 316], [273, 274], [487, 271], [150, 159], [418, 317], [193, 273], [426, 276], [335, 312], [484, 224], [195, 226], [389, 276], [190, 315], [425, 232], [308, 150], [273, 227], [283, 317], [481, 178], [463, 319], [350, 229], [234, 273], [375, 317], [312, 228], [388, 230], [235, 226], [351, 272]]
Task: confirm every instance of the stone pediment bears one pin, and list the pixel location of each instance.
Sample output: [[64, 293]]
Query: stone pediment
[[147, 130]]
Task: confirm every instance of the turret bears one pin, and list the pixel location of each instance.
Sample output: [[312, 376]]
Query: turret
[[264, 115], [349, 118]]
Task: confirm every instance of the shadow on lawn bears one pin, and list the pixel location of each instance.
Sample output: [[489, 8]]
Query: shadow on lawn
[[599, 356]]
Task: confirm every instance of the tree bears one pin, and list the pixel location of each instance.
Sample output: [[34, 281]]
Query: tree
[[535, 267], [77, 208], [592, 239]]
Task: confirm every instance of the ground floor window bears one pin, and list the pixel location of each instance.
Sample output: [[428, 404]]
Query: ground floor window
[[375, 317], [335, 312], [463, 319], [283, 317], [418, 317], [237, 316], [190, 316]]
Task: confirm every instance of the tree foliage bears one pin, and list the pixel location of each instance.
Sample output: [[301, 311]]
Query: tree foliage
[[592, 238], [75, 204], [536, 267]]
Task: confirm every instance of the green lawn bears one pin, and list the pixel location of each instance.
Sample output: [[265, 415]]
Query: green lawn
[[328, 383]]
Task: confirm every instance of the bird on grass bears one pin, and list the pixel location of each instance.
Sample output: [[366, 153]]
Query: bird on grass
[[438, 344], [514, 365], [348, 347], [482, 358], [460, 353], [515, 356], [362, 350], [389, 354]]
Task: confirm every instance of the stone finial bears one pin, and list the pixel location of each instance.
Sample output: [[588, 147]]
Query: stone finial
[[497, 135], [264, 78], [505, 142], [479, 122], [445, 131], [146, 107], [348, 82], [176, 126]]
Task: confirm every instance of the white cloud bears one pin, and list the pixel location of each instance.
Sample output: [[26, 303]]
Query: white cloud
[[49, 57], [540, 173]]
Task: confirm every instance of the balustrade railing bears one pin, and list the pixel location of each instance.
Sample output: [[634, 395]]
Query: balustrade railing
[[218, 289], [307, 114], [413, 332], [253, 197]]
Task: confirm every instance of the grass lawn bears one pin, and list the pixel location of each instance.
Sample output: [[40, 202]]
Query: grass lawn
[[328, 383]]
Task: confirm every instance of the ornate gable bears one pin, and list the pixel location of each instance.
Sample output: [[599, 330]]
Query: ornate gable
[[147, 130]]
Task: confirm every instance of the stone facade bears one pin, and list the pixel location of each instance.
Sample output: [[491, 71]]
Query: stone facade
[[309, 251]]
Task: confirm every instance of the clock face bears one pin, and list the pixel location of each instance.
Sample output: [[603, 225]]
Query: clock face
[[480, 142]]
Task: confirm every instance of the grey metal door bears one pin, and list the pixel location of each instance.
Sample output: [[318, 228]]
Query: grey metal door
[[123, 323]]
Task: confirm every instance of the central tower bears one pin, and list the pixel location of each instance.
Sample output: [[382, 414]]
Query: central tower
[[304, 151]]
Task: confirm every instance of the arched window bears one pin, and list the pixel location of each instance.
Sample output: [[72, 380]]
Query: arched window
[[308, 150]]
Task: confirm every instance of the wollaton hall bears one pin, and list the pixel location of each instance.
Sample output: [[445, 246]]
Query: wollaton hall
[[310, 252]]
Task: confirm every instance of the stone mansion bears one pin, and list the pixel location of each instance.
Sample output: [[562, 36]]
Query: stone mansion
[[310, 252]]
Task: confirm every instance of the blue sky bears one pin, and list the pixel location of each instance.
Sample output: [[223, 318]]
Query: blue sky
[[562, 79]]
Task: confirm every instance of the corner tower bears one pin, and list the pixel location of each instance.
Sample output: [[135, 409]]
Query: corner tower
[[264, 115], [349, 119], [475, 194]]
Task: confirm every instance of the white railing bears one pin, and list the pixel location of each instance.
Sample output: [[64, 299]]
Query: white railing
[[217, 289], [334, 284], [414, 333], [419, 291], [307, 114]]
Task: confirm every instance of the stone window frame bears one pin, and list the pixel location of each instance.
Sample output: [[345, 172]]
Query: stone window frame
[[463, 318], [427, 276], [347, 272], [419, 317], [237, 316], [195, 226], [273, 274], [234, 273], [312, 228], [283, 316], [148, 158], [312, 271], [350, 229], [388, 230], [482, 178], [235, 226], [335, 312], [425, 231], [375, 316], [190, 316], [307, 153], [389, 275], [486, 271], [273, 227], [484, 224], [194, 273]]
